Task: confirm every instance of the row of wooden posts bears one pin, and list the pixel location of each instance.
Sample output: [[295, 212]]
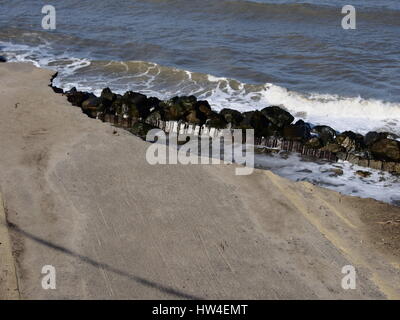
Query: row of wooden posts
[[197, 130], [267, 143]]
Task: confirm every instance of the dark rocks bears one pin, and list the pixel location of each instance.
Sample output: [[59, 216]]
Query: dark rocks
[[278, 116], [154, 117], [91, 106], [303, 124], [188, 102], [351, 141], [386, 149], [195, 117], [372, 137], [174, 112], [188, 109], [216, 120], [3, 59], [114, 106], [131, 105], [108, 95], [107, 98], [141, 129], [274, 131], [325, 133], [204, 107], [55, 89], [300, 131], [135, 98], [232, 116], [77, 97], [133, 111], [153, 103], [199, 112], [137, 104], [257, 121], [314, 143], [246, 122], [178, 108]]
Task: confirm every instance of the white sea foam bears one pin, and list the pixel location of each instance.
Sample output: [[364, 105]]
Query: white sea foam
[[40, 57], [379, 185], [342, 113]]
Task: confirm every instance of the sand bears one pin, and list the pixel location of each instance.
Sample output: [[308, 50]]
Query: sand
[[83, 199]]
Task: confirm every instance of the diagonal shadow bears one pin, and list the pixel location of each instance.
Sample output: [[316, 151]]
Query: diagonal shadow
[[94, 263]]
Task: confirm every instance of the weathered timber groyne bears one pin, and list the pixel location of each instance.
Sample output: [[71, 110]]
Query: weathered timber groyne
[[185, 128]]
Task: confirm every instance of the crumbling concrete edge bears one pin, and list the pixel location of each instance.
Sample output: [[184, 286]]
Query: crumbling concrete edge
[[8, 277]]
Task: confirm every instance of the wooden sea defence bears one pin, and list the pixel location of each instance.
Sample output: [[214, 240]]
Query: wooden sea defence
[[184, 128], [262, 145], [266, 144], [274, 143]]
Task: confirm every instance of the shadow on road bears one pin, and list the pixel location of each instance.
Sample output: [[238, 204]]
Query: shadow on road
[[107, 267]]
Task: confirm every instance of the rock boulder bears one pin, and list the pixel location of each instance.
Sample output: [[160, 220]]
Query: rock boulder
[[386, 149], [325, 133], [299, 131], [278, 116]]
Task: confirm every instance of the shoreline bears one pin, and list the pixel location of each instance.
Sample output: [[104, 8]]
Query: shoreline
[[273, 126], [82, 198], [373, 158]]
